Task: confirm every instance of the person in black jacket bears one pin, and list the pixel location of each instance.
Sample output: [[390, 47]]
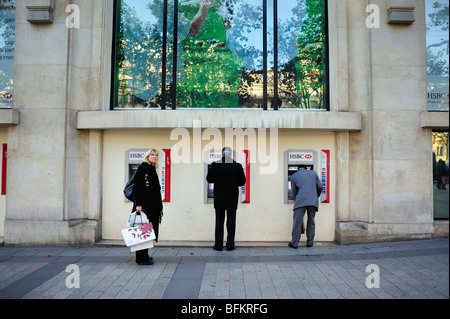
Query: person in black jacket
[[227, 176], [147, 191]]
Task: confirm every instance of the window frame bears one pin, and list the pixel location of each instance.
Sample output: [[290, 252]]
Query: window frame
[[114, 68]]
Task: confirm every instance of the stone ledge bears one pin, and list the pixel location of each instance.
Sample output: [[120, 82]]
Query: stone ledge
[[363, 232], [30, 232], [40, 11], [401, 12], [220, 118], [9, 117], [434, 120]]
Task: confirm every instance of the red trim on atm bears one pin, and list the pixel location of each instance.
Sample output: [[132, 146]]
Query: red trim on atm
[[246, 200], [4, 160], [167, 173], [327, 175]]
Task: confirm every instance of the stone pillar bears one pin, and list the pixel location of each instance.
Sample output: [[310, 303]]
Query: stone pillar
[[389, 160], [54, 173]]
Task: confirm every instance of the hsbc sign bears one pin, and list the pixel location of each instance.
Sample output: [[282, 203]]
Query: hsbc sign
[[302, 157]]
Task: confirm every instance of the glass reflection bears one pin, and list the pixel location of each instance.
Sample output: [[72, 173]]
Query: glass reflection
[[7, 36], [220, 54], [437, 20], [440, 175], [302, 82], [140, 72]]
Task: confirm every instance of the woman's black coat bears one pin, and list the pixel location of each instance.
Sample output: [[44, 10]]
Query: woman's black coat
[[147, 192]]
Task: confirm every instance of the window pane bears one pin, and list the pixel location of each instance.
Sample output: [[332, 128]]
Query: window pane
[[139, 53], [7, 32], [301, 54], [440, 174], [221, 54], [211, 70], [437, 20]]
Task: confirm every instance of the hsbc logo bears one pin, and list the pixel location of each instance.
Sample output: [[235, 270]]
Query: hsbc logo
[[300, 156]]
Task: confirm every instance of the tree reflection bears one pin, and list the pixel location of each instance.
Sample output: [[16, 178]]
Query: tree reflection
[[7, 33], [223, 65], [438, 54]]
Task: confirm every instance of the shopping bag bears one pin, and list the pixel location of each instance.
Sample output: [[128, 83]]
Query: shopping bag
[[137, 218], [139, 233], [146, 245], [136, 236]]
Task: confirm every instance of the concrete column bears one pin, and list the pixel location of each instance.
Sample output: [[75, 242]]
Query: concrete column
[[389, 160], [54, 173]]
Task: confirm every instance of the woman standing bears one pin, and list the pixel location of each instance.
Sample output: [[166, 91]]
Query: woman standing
[[147, 191]]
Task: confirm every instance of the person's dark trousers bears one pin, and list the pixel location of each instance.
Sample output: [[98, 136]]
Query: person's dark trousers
[[231, 228], [299, 213], [142, 256]]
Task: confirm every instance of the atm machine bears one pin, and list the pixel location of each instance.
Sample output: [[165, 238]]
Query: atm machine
[[309, 158], [133, 158], [213, 156], [294, 158], [209, 158]]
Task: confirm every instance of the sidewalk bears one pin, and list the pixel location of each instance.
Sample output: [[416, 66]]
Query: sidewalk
[[407, 270]]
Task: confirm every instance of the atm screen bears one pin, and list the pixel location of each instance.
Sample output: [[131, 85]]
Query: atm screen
[[210, 191], [292, 169], [132, 168]]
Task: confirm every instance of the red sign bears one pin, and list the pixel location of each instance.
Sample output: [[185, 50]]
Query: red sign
[[325, 176], [245, 191], [166, 164], [5, 149]]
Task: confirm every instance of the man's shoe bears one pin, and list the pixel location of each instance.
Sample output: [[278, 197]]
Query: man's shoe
[[309, 245], [231, 248], [218, 249], [292, 246]]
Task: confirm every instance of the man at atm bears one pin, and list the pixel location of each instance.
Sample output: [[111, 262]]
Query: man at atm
[[306, 189], [227, 176]]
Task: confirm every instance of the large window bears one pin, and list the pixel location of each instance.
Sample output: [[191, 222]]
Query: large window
[[440, 174], [437, 19], [220, 54], [7, 32]]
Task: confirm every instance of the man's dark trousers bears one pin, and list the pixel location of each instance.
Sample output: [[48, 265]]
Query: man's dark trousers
[[231, 228]]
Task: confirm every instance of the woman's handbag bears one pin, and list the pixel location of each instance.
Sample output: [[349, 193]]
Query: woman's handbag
[[138, 235]]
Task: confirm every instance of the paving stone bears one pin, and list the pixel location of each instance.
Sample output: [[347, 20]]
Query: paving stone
[[407, 270]]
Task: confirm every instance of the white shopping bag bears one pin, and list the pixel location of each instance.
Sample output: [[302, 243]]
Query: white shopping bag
[[139, 233]]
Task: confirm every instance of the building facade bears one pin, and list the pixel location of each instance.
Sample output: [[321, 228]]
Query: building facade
[[362, 99]]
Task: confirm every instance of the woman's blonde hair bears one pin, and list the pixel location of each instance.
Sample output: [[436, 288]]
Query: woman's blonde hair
[[148, 153]]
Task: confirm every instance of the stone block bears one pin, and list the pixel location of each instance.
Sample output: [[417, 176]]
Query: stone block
[[40, 11], [40, 17], [401, 12]]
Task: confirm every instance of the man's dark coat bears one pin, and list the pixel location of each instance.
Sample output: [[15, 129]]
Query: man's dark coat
[[227, 176]]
